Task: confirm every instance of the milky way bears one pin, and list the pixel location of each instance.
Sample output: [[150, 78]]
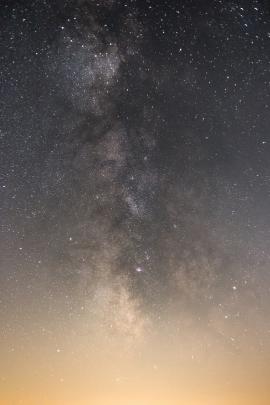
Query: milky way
[[135, 192]]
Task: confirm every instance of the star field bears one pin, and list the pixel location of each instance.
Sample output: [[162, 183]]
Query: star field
[[134, 202]]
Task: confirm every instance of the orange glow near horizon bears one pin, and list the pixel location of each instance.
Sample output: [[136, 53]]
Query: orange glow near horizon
[[162, 368]]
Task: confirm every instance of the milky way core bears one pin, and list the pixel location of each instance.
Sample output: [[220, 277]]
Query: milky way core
[[135, 202]]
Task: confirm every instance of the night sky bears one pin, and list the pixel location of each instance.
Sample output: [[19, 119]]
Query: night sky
[[134, 202]]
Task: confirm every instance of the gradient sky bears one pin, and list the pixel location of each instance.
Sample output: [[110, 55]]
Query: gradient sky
[[134, 202]]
